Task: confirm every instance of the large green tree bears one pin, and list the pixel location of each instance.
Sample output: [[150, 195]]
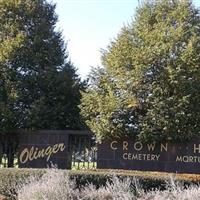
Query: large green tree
[[39, 86], [150, 85]]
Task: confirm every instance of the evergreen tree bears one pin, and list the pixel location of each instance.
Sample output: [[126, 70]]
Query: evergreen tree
[[39, 86], [154, 76]]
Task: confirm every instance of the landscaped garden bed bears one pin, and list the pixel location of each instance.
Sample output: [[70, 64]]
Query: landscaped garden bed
[[16, 182]]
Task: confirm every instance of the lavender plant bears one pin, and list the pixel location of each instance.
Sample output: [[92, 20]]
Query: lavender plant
[[117, 189], [54, 185]]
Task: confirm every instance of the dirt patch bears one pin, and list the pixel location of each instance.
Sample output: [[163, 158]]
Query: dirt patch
[[3, 197]]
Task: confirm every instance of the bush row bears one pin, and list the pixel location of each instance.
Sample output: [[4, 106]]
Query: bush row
[[9, 178]]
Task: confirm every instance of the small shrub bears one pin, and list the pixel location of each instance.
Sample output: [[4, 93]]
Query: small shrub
[[116, 189], [174, 191], [12, 179], [53, 185]]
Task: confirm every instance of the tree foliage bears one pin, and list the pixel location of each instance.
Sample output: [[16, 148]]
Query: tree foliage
[[39, 86], [150, 87]]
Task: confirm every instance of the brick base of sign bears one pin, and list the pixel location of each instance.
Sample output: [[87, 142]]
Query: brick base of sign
[[133, 155]]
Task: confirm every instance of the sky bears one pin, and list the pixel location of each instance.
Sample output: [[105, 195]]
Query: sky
[[89, 25]]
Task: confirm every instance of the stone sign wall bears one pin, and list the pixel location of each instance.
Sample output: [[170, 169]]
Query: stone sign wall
[[42, 149], [133, 155]]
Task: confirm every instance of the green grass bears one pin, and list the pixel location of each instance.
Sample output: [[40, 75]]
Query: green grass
[[83, 165], [74, 166], [5, 162]]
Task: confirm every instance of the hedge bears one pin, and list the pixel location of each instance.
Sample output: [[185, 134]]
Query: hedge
[[9, 178]]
